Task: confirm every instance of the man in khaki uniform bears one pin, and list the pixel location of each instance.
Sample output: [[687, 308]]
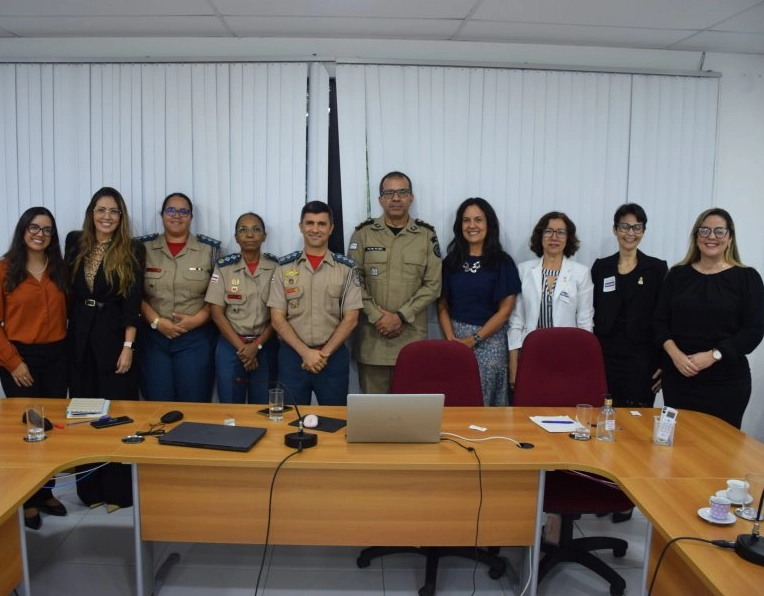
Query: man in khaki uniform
[[401, 264], [314, 300]]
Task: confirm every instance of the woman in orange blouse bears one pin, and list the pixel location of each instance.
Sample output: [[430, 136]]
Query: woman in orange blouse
[[33, 359]]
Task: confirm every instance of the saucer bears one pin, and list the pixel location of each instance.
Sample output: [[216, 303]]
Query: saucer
[[723, 493], [705, 513]]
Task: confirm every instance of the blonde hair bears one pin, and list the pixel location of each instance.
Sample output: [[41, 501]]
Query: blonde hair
[[731, 254]]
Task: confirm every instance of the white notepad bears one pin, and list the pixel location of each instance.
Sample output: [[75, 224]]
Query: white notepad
[[84, 407]]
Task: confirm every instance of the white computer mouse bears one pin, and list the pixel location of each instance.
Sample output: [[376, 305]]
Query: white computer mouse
[[310, 421]]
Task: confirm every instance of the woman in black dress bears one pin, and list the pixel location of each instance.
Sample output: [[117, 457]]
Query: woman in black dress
[[626, 287], [106, 268], [710, 314]]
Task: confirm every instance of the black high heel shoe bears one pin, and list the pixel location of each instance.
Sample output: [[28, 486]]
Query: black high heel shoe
[[58, 509], [34, 522]]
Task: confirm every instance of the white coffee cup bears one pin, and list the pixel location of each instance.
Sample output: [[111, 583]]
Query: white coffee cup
[[737, 490]]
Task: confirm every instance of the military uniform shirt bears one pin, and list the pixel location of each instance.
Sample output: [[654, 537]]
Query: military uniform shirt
[[402, 274], [315, 301], [244, 296], [178, 284]]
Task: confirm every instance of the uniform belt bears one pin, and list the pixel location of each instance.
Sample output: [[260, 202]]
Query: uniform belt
[[317, 347], [92, 303], [248, 339]]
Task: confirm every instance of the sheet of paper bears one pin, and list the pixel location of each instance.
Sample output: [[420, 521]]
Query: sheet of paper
[[555, 424]]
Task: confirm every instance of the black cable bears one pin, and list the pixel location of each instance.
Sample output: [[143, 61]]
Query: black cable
[[720, 543], [479, 510], [268, 520]]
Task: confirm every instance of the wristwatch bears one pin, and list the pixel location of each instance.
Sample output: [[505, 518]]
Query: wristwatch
[[717, 355], [477, 338], [155, 323]]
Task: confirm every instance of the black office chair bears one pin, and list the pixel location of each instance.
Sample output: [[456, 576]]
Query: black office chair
[[438, 366], [563, 366]]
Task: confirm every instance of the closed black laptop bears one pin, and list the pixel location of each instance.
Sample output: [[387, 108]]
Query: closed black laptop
[[213, 436]]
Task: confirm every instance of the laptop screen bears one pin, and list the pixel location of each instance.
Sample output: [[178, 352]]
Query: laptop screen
[[394, 417]]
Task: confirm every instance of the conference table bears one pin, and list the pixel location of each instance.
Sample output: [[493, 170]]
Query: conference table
[[377, 494]]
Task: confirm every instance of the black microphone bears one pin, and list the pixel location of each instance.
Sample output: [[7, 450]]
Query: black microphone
[[299, 440], [748, 546]]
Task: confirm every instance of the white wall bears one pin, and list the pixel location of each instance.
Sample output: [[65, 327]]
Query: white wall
[[739, 174]]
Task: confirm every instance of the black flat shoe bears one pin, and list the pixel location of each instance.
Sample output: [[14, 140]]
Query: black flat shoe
[[58, 510], [34, 522], [622, 516]]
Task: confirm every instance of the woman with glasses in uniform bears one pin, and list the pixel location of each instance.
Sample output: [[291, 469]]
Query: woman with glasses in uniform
[[178, 340], [33, 360], [710, 315], [556, 292], [626, 286], [106, 271], [246, 353]]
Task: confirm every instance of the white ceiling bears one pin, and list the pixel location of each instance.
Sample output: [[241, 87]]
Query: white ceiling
[[699, 25]]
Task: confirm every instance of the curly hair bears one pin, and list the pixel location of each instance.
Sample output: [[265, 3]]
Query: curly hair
[[571, 244]]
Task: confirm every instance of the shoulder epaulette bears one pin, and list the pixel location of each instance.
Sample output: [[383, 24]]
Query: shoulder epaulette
[[147, 237], [208, 240], [229, 259], [424, 224], [340, 258], [363, 224], [269, 256], [290, 258]]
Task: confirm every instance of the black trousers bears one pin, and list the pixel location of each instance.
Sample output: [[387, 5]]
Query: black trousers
[[48, 365]]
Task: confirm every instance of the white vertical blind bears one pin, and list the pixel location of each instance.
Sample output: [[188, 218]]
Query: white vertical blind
[[231, 136], [318, 133]]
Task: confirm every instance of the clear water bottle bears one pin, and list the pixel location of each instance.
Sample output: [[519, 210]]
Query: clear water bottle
[[606, 421]]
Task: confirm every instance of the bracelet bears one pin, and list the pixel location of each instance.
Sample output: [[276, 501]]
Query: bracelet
[[128, 344]]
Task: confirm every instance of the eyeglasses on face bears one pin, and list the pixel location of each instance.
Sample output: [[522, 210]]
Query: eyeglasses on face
[[719, 232], [171, 211], [403, 193], [549, 232], [244, 230], [637, 228], [34, 229], [101, 211]]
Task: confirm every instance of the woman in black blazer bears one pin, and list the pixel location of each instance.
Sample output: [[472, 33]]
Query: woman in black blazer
[[626, 287], [106, 268]]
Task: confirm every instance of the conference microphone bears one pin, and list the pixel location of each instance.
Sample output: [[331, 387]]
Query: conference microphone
[[301, 439], [749, 546]]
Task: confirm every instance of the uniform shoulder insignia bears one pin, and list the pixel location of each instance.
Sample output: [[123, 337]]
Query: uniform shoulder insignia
[[363, 224], [290, 258], [147, 237], [229, 259], [208, 240], [271, 257], [340, 258], [424, 224]]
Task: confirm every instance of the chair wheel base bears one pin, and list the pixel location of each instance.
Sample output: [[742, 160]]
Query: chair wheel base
[[362, 562]]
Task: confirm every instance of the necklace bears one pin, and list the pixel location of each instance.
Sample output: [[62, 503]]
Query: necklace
[[471, 268], [38, 271]]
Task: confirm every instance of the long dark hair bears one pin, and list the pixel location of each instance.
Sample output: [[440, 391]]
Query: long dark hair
[[458, 249], [17, 253]]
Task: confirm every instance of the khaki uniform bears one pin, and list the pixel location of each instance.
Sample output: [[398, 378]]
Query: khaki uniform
[[178, 284], [244, 296], [315, 301], [402, 275]]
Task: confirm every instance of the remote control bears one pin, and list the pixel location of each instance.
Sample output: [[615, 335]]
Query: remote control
[[666, 422]]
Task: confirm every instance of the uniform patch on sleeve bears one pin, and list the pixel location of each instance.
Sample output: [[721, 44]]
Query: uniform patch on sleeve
[[215, 278], [353, 246]]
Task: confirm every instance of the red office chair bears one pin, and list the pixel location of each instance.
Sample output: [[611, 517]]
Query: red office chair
[[563, 366], [448, 367]]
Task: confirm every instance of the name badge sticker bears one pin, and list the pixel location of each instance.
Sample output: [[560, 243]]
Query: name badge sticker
[[564, 296], [608, 284]]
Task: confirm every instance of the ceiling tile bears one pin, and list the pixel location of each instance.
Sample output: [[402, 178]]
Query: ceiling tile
[[664, 14], [571, 35], [430, 9], [92, 8], [121, 27], [343, 27]]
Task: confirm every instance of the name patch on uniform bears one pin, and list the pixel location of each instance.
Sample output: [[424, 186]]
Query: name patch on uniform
[[608, 284], [375, 248], [153, 269], [290, 290], [234, 296]]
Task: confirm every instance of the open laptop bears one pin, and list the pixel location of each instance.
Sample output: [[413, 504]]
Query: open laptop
[[213, 436], [394, 418]]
